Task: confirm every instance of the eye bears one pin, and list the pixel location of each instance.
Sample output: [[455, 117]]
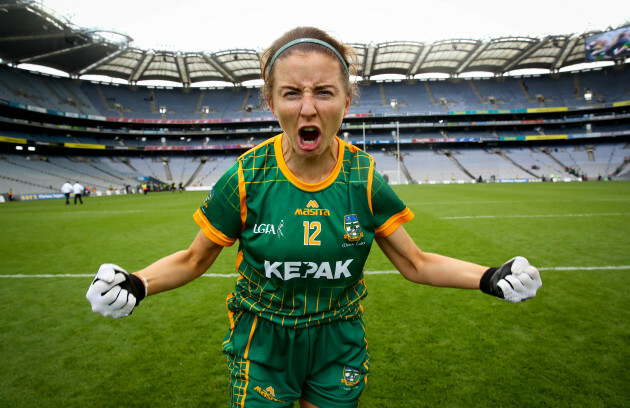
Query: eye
[[290, 94]]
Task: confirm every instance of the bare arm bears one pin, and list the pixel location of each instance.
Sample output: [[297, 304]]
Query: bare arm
[[427, 268], [182, 267]]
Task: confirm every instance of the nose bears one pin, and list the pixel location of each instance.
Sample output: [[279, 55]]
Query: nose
[[308, 106]]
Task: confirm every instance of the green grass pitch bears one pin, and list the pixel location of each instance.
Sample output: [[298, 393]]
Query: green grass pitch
[[429, 347]]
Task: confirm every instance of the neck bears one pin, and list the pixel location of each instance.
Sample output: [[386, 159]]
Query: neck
[[314, 169]]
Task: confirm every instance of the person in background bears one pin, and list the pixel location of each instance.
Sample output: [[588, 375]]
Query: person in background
[[78, 192], [305, 207], [66, 189]]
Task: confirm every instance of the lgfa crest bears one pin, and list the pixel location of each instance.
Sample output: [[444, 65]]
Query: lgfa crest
[[352, 227]]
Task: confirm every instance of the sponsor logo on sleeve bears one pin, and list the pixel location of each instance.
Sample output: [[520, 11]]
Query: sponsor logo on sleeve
[[208, 198]]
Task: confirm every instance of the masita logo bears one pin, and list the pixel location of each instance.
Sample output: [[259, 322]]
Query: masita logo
[[268, 393], [312, 208]]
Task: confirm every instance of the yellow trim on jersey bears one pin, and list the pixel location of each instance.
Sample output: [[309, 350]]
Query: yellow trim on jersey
[[239, 259], [242, 194], [230, 313], [258, 146], [353, 149], [210, 232], [393, 223], [282, 165], [369, 184]]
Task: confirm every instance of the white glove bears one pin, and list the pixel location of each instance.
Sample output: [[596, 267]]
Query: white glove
[[515, 281], [107, 293]]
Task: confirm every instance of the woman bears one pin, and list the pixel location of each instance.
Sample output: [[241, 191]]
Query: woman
[[305, 207]]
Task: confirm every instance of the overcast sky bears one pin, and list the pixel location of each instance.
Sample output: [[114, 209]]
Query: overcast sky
[[210, 25]]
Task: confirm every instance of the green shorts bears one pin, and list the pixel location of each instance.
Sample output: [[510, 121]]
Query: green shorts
[[274, 366]]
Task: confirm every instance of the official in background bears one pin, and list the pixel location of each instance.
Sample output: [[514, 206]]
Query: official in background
[[66, 189], [78, 192]]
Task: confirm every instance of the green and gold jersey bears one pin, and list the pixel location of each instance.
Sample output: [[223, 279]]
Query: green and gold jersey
[[302, 247]]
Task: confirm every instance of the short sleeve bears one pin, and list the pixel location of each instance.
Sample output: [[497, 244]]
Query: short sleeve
[[388, 209], [219, 217]]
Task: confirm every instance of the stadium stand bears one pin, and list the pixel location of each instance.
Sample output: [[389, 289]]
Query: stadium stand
[[60, 94], [435, 96], [36, 174], [453, 130]]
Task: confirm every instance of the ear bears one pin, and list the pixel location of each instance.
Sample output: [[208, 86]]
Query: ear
[[348, 103], [270, 103]]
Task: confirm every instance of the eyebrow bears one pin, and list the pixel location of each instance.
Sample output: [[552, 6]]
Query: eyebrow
[[315, 88]]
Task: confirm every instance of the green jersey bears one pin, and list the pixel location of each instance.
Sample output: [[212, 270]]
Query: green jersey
[[302, 247]]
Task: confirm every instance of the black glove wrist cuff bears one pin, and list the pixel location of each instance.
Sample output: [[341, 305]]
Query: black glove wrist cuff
[[137, 288], [485, 284]]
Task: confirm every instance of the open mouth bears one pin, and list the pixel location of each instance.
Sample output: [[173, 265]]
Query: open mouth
[[309, 137]]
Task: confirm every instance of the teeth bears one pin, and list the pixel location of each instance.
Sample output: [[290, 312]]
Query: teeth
[[309, 135]]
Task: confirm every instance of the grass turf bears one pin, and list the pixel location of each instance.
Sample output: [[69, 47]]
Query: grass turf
[[428, 346]]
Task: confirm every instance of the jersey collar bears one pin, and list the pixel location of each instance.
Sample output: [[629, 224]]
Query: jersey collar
[[299, 183]]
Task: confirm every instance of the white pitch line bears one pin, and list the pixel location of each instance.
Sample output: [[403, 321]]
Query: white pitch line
[[471, 217], [61, 275], [235, 275], [80, 275], [556, 268], [585, 268]]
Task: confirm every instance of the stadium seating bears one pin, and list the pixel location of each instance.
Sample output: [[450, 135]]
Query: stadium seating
[[422, 163], [60, 94], [412, 96], [36, 174]]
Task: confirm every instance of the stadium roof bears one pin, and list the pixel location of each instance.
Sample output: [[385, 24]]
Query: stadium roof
[[31, 34]]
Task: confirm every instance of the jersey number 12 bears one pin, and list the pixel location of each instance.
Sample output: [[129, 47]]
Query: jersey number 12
[[310, 238]]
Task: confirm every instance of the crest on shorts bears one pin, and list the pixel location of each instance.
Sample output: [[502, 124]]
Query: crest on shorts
[[351, 376], [352, 227]]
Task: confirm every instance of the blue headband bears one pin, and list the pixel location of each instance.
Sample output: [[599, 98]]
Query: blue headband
[[306, 40]]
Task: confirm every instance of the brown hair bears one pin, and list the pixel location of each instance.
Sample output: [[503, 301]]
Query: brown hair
[[348, 53]]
